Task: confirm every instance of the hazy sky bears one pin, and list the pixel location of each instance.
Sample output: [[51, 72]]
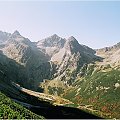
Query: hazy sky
[[96, 24]]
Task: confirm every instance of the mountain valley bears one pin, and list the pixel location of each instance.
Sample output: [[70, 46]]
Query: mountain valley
[[73, 75]]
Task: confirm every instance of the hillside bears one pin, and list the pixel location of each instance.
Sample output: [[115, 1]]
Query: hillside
[[61, 68], [99, 90], [11, 110]]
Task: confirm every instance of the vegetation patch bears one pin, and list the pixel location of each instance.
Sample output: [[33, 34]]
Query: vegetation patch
[[11, 110]]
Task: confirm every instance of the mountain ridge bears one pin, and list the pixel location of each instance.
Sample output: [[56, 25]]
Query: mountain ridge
[[62, 67], [16, 31]]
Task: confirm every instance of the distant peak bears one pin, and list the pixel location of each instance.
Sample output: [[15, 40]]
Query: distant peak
[[16, 33], [55, 36], [71, 38]]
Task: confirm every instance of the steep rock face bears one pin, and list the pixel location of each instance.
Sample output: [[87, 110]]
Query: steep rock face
[[51, 45], [72, 47]]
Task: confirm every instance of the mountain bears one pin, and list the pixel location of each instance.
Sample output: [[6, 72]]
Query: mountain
[[51, 45], [69, 60], [22, 50], [111, 54], [24, 53], [4, 36], [98, 88], [62, 67]]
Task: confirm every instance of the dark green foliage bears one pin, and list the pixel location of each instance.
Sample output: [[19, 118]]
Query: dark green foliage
[[11, 110], [55, 90]]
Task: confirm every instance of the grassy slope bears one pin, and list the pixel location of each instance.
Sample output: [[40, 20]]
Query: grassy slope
[[11, 110], [98, 90]]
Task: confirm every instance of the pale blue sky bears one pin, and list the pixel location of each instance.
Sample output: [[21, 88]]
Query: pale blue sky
[[96, 24]]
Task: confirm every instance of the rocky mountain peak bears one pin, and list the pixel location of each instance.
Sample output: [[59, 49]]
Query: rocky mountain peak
[[71, 38], [51, 45], [52, 41], [72, 44], [16, 33], [72, 41], [17, 38], [55, 36], [4, 36]]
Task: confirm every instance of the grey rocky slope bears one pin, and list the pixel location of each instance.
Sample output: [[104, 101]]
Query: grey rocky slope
[[111, 54], [51, 45], [22, 50]]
